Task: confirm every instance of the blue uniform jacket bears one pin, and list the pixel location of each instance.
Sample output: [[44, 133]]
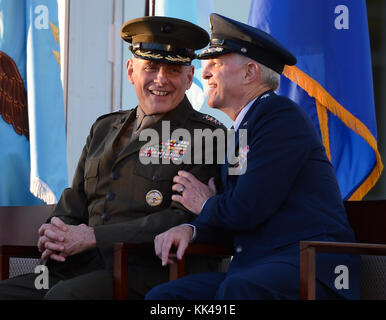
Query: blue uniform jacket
[[288, 193]]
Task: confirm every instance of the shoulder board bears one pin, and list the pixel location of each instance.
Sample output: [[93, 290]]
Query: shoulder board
[[207, 119], [211, 120], [117, 113]]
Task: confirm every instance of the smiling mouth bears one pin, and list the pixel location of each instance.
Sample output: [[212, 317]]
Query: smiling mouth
[[159, 93]]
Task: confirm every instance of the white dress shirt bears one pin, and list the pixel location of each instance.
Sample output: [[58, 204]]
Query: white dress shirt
[[241, 115]]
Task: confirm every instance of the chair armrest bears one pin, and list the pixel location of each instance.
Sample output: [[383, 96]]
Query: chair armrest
[[308, 250], [7, 251], [176, 270]]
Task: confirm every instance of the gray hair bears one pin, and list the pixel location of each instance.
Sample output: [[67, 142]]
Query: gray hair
[[268, 76]]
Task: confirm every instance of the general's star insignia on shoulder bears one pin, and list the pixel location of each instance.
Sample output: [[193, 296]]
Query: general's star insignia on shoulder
[[211, 119]]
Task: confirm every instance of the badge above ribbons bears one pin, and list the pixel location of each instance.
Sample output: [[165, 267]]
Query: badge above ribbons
[[332, 80]]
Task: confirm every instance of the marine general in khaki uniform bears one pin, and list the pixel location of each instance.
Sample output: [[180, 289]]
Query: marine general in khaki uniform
[[115, 196]]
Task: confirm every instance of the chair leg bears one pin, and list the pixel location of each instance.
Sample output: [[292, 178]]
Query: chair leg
[[4, 266], [121, 277], [307, 273], [177, 270]]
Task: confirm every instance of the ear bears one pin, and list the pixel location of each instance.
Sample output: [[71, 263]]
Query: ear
[[129, 68], [190, 76], [251, 72]]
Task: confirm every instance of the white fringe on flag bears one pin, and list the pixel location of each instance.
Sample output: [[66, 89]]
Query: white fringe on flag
[[41, 190]]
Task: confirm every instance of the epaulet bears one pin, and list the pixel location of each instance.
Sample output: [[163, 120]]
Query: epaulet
[[211, 120], [120, 112]]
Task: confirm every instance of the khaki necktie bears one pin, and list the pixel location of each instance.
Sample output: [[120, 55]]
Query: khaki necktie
[[142, 121]]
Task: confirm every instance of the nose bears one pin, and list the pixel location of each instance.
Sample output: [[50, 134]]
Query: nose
[[206, 74], [161, 78]]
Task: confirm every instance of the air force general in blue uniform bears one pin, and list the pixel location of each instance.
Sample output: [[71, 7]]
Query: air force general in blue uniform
[[287, 192]]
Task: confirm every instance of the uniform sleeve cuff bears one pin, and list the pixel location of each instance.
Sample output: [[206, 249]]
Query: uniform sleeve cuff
[[204, 204], [194, 231]]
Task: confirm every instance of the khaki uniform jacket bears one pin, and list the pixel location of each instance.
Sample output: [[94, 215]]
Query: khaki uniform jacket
[[109, 190]]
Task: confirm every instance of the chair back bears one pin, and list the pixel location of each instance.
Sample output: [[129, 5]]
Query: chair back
[[368, 220], [19, 225]]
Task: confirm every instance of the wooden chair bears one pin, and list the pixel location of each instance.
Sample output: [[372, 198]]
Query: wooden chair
[[368, 220], [177, 270], [19, 227]]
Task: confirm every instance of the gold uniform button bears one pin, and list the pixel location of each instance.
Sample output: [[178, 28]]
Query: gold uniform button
[[154, 198]]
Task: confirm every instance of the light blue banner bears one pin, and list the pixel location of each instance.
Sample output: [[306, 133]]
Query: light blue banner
[[35, 160]]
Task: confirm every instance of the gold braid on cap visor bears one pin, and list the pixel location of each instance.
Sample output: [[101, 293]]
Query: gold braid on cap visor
[[149, 54], [177, 58]]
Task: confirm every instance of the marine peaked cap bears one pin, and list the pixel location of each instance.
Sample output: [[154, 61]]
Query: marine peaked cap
[[164, 39], [228, 36]]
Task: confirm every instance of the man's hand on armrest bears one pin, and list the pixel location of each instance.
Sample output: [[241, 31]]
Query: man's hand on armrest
[[178, 236]]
